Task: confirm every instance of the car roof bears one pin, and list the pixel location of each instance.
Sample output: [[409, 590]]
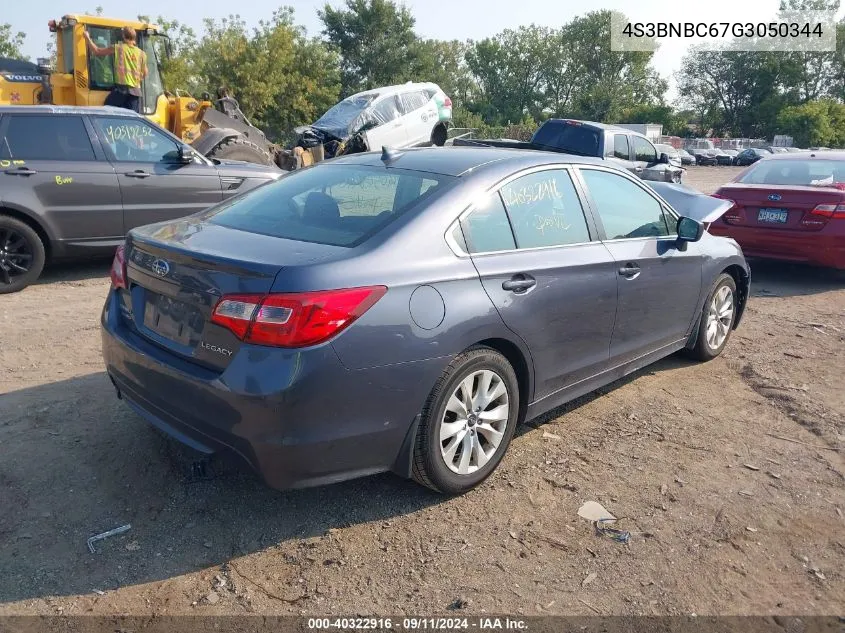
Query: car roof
[[809, 155], [458, 161], [53, 109], [396, 89]]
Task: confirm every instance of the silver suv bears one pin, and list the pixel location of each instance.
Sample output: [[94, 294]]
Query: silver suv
[[73, 181]]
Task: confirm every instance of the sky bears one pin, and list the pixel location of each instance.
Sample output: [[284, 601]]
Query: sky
[[441, 19]]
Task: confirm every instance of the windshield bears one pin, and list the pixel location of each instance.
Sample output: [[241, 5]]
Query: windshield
[[569, 138], [801, 172], [341, 118], [340, 205], [101, 69]]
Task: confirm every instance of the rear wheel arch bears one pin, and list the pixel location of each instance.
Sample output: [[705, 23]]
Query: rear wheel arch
[[439, 135], [33, 224]]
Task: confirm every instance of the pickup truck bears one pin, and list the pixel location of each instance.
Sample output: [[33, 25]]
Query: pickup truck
[[623, 147]]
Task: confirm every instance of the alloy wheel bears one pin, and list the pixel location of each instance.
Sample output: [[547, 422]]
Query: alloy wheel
[[16, 255], [474, 422], [720, 317]]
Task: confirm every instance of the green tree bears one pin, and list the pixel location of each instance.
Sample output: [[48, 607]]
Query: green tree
[[11, 42], [443, 62], [608, 82], [815, 123], [376, 42], [280, 77]]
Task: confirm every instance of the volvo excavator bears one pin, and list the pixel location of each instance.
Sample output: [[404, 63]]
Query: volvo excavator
[[215, 129]]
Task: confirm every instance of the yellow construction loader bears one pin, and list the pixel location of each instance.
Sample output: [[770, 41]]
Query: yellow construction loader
[[216, 130]]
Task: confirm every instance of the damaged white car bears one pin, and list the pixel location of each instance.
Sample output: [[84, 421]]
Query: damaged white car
[[407, 115]]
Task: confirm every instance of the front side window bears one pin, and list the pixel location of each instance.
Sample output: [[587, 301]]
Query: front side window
[[386, 111], [644, 150], [625, 209], [134, 140], [340, 205], [544, 210], [486, 228], [36, 137]]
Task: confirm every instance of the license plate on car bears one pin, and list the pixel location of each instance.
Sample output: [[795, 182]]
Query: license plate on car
[[773, 216], [169, 318]]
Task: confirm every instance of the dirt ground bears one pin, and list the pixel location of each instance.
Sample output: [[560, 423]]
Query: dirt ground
[[729, 475]]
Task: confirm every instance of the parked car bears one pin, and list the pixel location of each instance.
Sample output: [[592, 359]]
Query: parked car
[[616, 145], [705, 157], [74, 180], [732, 154], [789, 207], [794, 149], [777, 150], [722, 157], [505, 282], [671, 152], [686, 157], [400, 116], [751, 155]]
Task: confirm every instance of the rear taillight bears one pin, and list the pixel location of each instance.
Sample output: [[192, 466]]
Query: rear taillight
[[831, 211], [118, 268], [296, 319], [447, 103]]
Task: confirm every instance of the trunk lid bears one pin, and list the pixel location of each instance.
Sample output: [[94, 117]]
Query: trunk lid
[[178, 271], [778, 207]]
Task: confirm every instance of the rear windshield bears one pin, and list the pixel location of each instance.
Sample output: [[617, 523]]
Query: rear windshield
[[340, 205], [569, 138], [820, 173]]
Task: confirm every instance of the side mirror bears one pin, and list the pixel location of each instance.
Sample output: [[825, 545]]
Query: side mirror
[[185, 155], [664, 158], [689, 230]]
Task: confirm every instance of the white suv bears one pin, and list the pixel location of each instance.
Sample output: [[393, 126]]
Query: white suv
[[396, 116]]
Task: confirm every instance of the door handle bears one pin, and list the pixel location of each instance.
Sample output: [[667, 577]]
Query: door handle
[[519, 283], [21, 171], [630, 270], [138, 173]]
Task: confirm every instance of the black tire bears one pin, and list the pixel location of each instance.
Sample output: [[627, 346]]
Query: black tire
[[429, 467], [239, 148], [439, 135], [20, 246], [704, 350]]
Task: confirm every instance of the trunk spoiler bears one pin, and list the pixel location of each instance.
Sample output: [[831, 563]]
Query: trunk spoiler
[[690, 202]]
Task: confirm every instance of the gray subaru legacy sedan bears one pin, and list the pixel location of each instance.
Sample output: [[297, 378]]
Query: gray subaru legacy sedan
[[405, 311], [73, 181]]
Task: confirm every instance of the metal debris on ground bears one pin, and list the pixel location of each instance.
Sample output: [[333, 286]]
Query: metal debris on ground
[[600, 517], [100, 537]]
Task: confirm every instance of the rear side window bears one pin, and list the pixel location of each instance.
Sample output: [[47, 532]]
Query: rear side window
[[625, 209], [486, 229], [545, 210], [35, 137], [386, 110], [568, 137], [340, 205], [414, 100]]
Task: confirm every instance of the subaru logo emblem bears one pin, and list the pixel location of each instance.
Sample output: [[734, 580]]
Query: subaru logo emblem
[[774, 197], [160, 267]]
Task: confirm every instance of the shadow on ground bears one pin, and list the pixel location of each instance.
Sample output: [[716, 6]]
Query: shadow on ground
[[782, 279], [76, 271], [78, 462]]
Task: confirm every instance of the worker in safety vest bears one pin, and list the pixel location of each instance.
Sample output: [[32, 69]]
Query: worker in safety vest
[[130, 69]]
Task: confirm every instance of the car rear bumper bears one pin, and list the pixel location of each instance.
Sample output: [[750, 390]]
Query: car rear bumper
[[810, 247], [297, 417]]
